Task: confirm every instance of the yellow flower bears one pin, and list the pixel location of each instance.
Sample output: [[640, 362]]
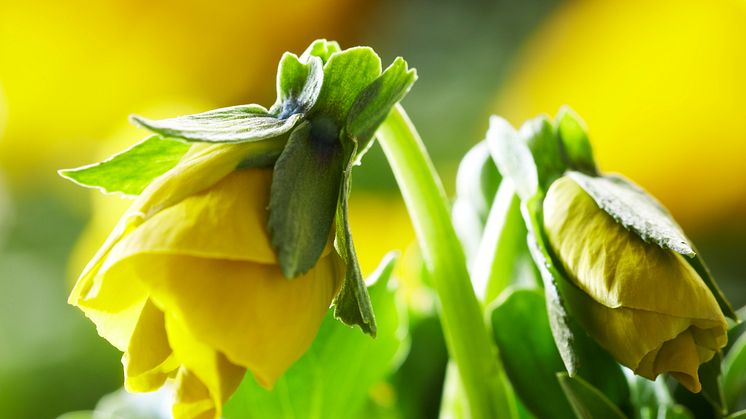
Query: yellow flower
[[188, 286], [645, 305]]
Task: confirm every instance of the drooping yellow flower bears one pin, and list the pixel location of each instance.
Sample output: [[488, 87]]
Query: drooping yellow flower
[[644, 304], [188, 285]]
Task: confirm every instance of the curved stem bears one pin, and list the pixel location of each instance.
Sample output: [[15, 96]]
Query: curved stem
[[466, 334]]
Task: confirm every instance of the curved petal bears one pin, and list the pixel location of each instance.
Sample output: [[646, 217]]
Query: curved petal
[[226, 221], [114, 303], [149, 359], [207, 378], [647, 342], [247, 311], [192, 399], [199, 169], [615, 266]]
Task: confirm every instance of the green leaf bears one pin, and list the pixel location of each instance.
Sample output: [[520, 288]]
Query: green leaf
[[81, 414], [303, 198], [587, 401], [346, 74], [374, 103], [521, 329], [709, 376], [234, 124], [734, 373], [352, 304], [574, 142], [652, 399], [513, 157], [736, 330], [648, 398], [132, 170], [741, 414], [333, 378], [636, 210], [559, 318], [321, 48], [675, 411], [639, 212], [298, 85], [539, 135]]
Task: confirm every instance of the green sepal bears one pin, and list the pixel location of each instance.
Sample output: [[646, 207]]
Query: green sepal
[[513, 157], [299, 82], [698, 263], [130, 171], [235, 124], [587, 401], [346, 74], [298, 85], [636, 210], [559, 317], [374, 103], [541, 139], [321, 48], [352, 304], [303, 197], [574, 142]]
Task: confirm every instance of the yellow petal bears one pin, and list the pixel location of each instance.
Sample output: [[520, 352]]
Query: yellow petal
[[199, 170], [207, 379], [247, 311], [649, 343], [680, 357], [114, 306], [226, 221], [202, 167], [149, 359], [113, 302], [615, 266], [192, 399]]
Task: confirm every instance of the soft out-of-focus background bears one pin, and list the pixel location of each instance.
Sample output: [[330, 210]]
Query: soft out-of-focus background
[[660, 83]]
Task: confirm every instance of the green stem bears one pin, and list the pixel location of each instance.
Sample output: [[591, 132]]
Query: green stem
[[464, 327]]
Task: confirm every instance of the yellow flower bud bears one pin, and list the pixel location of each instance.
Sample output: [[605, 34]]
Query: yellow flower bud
[[644, 304], [188, 285]]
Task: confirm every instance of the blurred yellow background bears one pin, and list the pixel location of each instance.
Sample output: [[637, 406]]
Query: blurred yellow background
[[660, 84]]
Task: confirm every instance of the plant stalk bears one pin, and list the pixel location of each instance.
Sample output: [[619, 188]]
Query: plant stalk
[[487, 390]]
